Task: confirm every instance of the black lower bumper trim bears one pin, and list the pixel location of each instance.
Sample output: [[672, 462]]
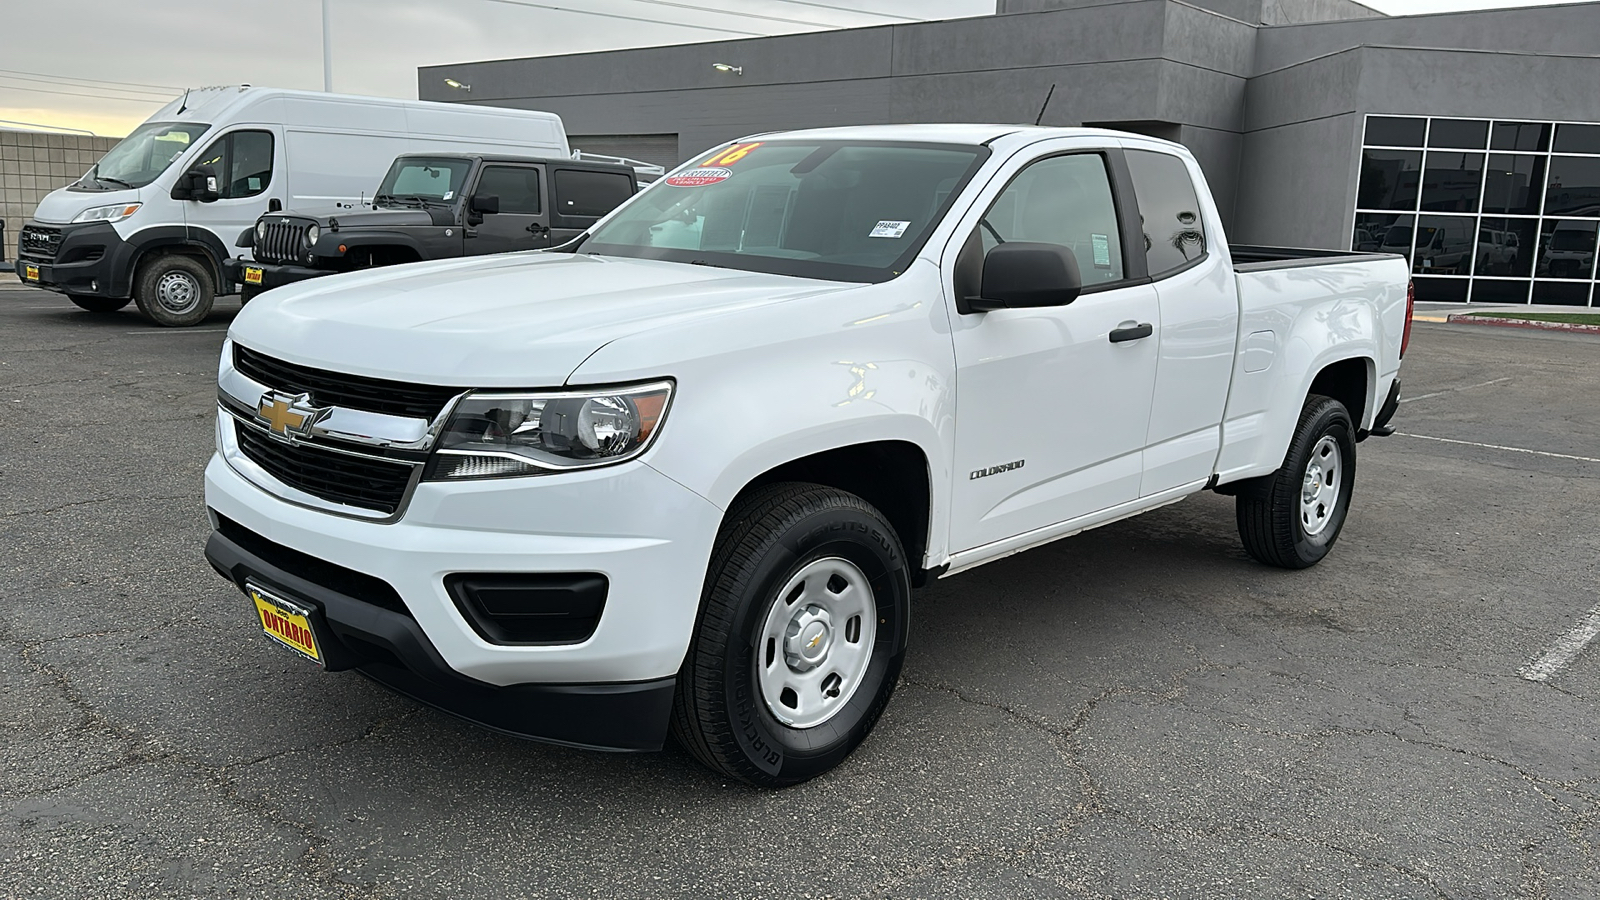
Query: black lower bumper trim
[[1380, 424], [392, 649], [271, 275]]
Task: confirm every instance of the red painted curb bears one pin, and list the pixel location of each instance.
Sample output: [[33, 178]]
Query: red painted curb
[[1524, 323]]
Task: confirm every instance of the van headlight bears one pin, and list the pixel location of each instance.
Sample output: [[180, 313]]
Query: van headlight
[[493, 434], [114, 213]]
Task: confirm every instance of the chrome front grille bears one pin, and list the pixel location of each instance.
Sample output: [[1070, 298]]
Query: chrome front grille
[[346, 478]]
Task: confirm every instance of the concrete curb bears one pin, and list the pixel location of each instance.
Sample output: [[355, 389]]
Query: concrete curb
[[1465, 319]]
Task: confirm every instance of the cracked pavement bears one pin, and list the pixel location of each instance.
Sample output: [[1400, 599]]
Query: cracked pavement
[[1139, 711]]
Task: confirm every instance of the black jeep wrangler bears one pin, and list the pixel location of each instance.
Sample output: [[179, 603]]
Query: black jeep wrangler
[[434, 206]]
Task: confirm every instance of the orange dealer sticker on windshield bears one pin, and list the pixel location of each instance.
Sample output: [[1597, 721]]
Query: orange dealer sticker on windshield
[[699, 177], [731, 155]]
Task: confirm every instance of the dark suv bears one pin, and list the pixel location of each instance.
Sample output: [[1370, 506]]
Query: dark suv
[[435, 206]]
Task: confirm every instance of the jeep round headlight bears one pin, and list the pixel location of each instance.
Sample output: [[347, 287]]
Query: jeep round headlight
[[312, 233], [503, 434], [261, 230]]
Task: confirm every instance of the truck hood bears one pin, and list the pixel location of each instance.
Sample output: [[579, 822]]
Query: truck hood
[[514, 320], [61, 206], [367, 217]]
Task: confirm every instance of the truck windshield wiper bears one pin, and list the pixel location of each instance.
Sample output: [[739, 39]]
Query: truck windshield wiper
[[94, 172], [398, 200]]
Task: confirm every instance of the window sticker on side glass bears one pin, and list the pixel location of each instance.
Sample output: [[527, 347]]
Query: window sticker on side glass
[[1102, 250], [888, 229]]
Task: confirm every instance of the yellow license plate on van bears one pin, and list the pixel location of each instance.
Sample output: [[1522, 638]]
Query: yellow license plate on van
[[287, 623], [31, 273], [252, 275]]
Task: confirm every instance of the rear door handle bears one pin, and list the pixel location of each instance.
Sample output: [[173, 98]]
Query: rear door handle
[[1132, 332]]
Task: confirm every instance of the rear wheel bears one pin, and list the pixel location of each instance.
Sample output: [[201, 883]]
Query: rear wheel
[[1292, 517], [801, 635], [175, 291], [98, 304]]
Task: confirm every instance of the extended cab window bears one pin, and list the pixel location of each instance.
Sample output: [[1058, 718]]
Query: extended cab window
[[1174, 235], [836, 210], [590, 194], [243, 163], [1062, 200], [516, 186]]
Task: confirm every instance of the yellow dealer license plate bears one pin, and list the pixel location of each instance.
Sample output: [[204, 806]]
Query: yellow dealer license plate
[[287, 623], [30, 272], [252, 275]]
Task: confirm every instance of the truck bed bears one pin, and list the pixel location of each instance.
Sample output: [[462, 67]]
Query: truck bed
[[1248, 258]]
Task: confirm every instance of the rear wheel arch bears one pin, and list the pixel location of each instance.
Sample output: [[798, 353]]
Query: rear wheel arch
[[1348, 381]]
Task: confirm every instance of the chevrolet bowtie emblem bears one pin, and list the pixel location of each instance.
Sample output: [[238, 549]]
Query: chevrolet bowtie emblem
[[289, 415]]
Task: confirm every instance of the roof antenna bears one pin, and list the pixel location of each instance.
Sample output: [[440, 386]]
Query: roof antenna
[[185, 104], [1040, 117]]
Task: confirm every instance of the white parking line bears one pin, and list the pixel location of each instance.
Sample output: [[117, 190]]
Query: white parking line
[[1423, 437], [1565, 649], [183, 331], [1453, 390]]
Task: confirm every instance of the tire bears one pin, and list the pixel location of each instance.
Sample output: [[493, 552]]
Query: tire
[[750, 661], [174, 291], [99, 304], [1281, 522]]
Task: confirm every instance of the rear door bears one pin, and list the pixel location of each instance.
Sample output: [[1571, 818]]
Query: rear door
[[523, 222], [582, 196], [1052, 403], [1199, 319]]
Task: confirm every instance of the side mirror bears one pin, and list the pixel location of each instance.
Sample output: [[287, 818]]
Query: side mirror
[[199, 183], [484, 204], [1019, 275]]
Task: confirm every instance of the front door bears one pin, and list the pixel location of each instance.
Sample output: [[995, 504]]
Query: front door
[[523, 223], [248, 180], [1052, 404]]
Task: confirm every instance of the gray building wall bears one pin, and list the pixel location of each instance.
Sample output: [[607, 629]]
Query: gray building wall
[[33, 164]]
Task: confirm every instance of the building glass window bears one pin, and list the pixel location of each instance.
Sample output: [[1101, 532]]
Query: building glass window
[[1467, 134], [1392, 131], [1517, 224]]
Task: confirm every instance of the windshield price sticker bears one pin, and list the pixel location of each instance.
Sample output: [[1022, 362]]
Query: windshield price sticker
[[887, 229], [700, 177]]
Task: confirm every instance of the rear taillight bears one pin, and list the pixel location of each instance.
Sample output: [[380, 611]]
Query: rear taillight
[[1411, 305]]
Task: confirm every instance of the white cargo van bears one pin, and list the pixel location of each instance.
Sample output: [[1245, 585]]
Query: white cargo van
[[154, 219]]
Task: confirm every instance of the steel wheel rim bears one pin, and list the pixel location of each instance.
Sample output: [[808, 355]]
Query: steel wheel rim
[[816, 643], [1319, 491], [178, 292]]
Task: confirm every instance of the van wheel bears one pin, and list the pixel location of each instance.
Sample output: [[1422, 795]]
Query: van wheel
[[175, 291], [99, 304], [1291, 518], [801, 635]]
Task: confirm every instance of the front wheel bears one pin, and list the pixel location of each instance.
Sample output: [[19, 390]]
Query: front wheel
[[98, 304], [175, 291], [1291, 518], [801, 635]]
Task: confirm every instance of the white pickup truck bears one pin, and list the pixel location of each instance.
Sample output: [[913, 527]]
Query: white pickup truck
[[683, 473]]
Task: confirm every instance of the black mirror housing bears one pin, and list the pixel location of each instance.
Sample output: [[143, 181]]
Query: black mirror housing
[[484, 204], [199, 183], [1021, 275]]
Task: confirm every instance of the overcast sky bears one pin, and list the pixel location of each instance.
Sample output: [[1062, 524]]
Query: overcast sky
[[102, 65]]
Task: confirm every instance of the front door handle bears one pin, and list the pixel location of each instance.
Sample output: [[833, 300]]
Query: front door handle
[[1132, 332], [536, 228]]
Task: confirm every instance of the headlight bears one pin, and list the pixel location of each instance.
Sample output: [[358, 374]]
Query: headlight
[[312, 233], [261, 230], [108, 213], [503, 434]]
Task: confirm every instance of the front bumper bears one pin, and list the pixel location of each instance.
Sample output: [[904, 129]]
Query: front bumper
[[272, 275], [90, 259], [650, 537]]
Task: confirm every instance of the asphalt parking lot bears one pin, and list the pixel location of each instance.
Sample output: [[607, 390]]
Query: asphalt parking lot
[[1139, 711]]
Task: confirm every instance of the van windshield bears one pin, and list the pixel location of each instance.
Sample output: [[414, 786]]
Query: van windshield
[[414, 180], [835, 210], [141, 157]]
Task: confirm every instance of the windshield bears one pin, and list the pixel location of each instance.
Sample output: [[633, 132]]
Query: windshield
[[141, 157], [828, 209], [1569, 239], [415, 180]]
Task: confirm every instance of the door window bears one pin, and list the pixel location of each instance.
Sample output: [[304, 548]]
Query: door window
[[516, 186], [242, 161], [590, 194], [1174, 235], [1063, 200]]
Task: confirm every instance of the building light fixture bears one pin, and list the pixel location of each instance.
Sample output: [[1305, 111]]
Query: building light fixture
[[724, 67], [458, 85]]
